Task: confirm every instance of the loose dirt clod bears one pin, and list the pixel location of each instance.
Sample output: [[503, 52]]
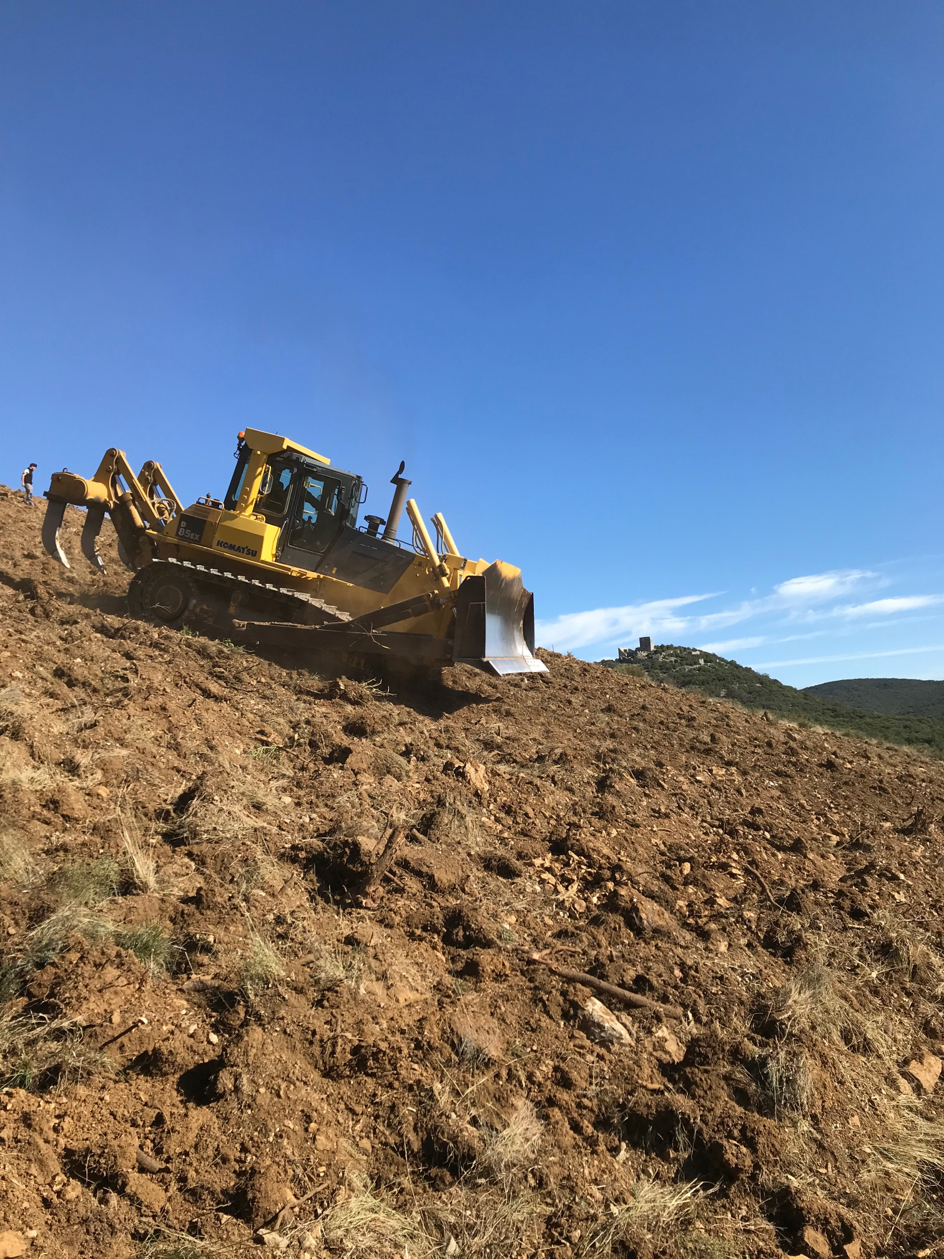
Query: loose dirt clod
[[305, 963]]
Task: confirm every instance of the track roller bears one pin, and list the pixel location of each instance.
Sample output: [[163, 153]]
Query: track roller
[[161, 594]]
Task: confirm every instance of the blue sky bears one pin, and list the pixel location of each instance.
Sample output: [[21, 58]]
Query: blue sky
[[649, 297]]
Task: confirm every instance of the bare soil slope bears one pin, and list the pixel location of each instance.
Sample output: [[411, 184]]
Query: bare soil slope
[[223, 1029]]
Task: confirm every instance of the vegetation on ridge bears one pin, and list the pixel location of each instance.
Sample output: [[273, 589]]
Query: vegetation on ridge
[[702, 671], [905, 697]]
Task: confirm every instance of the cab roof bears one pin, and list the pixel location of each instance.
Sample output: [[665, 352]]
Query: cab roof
[[273, 444]]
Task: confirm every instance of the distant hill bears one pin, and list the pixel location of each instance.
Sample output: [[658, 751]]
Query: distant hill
[[690, 669], [905, 697]]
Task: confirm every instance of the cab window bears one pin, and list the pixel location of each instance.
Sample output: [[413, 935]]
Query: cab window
[[317, 518], [238, 479], [276, 501]]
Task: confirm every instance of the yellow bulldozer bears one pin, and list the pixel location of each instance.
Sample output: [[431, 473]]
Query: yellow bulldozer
[[281, 561]]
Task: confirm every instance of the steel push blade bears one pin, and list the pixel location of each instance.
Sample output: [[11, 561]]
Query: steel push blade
[[495, 623]]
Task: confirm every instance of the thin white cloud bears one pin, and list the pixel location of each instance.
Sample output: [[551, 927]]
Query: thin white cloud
[[887, 607], [814, 599], [579, 629], [820, 587], [860, 655], [733, 644]]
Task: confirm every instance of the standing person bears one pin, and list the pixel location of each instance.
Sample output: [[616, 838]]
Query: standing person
[[26, 480]]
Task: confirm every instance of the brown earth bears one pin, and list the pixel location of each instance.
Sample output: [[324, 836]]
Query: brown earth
[[212, 1013]]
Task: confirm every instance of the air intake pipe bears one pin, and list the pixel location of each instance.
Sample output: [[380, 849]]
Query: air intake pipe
[[399, 502]]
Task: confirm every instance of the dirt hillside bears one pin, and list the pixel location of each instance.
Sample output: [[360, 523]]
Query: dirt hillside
[[224, 1027]]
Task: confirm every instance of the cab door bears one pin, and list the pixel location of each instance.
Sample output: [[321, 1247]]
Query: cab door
[[317, 516]]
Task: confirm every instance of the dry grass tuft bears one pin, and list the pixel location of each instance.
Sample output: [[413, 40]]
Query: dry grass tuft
[[335, 964], [47, 940], [139, 856], [903, 951], [912, 1148], [169, 1244], [454, 823], [366, 1225], [152, 945], [16, 861], [262, 870], [86, 883], [356, 819], [654, 1210], [38, 1053], [222, 816], [785, 1077], [512, 1150], [27, 776], [811, 1002], [261, 968], [485, 1224]]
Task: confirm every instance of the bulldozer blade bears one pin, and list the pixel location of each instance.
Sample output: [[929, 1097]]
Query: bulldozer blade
[[495, 623], [94, 520], [55, 510]]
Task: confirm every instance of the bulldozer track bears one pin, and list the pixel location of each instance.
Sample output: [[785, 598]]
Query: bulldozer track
[[222, 577]]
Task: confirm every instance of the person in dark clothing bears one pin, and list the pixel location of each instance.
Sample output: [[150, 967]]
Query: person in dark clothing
[[26, 480]]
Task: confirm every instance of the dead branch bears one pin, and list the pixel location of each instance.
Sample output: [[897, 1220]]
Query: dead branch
[[147, 1163], [370, 885], [613, 991], [763, 882]]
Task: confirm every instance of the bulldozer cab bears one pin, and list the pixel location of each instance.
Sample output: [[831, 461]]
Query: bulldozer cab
[[309, 503]]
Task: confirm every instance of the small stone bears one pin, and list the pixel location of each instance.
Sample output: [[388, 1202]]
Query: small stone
[[68, 803], [100, 792], [648, 918], [274, 1241], [145, 1191], [12, 1244], [667, 1046], [476, 776], [213, 1038], [926, 1070], [816, 1243], [853, 1249], [602, 1025]]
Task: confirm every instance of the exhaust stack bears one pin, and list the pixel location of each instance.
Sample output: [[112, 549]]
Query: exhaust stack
[[399, 502]]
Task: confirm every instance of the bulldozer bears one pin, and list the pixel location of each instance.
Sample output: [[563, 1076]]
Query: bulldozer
[[281, 561]]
